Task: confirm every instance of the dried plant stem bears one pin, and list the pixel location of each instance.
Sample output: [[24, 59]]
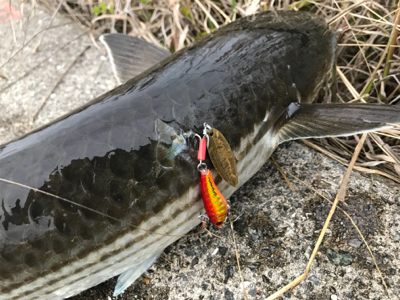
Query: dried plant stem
[[370, 80], [368, 45], [385, 148], [12, 22], [345, 11], [392, 42], [347, 83], [43, 61], [351, 220], [283, 174], [237, 259], [207, 13], [339, 197], [362, 169], [58, 82], [51, 22], [227, 19], [33, 37]]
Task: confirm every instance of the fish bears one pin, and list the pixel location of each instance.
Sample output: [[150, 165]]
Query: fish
[[103, 190]]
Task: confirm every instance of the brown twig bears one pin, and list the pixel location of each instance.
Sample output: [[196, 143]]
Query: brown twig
[[358, 168], [352, 222], [32, 38], [339, 197], [51, 22], [40, 63], [237, 259], [58, 82], [283, 174]]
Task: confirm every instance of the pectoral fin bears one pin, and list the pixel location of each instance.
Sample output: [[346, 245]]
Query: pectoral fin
[[130, 275], [302, 121], [130, 56]]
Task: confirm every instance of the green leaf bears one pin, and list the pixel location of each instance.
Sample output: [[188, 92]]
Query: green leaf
[[103, 8], [200, 35], [233, 4], [186, 12], [96, 10], [111, 9], [210, 24], [146, 1]]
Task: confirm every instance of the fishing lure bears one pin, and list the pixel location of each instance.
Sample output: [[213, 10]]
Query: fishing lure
[[214, 202], [222, 157]]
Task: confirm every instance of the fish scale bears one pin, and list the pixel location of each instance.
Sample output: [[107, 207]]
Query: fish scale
[[123, 154]]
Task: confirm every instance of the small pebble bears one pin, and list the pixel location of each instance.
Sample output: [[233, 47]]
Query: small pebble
[[340, 258], [315, 279], [223, 250], [189, 252], [265, 279], [252, 293], [334, 297], [229, 271], [287, 294], [396, 237], [355, 243], [229, 295], [308, 252], [194, 262]]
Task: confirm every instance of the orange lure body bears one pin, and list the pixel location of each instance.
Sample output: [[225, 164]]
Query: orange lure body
[[214, 202]]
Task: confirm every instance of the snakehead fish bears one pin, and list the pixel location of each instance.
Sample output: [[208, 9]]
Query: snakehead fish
[[127, 163]]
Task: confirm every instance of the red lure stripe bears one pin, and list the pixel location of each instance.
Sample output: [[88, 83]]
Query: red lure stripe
[[201, 154], [214, 202]]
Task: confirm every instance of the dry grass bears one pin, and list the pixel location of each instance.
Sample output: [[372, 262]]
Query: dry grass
[[368, 65]]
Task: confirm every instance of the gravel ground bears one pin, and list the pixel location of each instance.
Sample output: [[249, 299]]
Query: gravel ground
[[275, 227]]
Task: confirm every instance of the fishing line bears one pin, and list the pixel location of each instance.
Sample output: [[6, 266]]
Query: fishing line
[[95, 211]]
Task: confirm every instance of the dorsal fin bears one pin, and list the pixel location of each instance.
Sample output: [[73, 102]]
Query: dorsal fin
[[130, 56]]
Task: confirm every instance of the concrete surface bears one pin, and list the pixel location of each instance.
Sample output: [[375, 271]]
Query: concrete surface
[[275, 228], [20, 100]]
